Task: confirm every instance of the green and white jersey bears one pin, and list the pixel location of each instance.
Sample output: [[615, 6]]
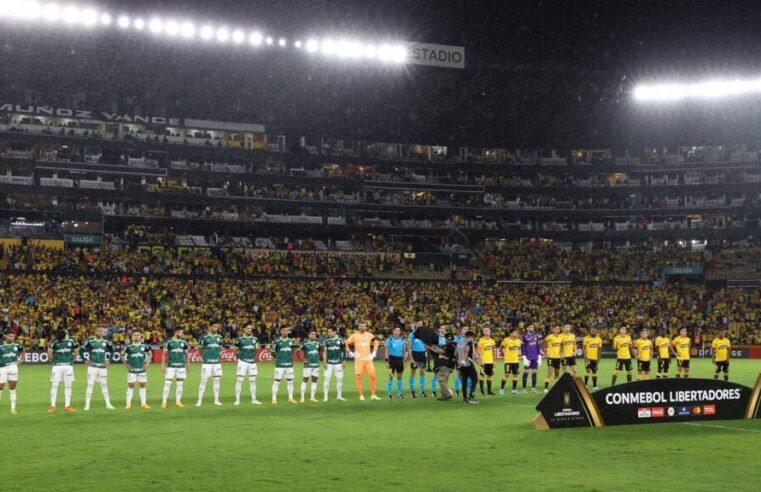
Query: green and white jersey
[[311, 354], [98, 351], [335, 350], [136, 355], [9, 353], [211, 348], [177, 350], [283, 348], [63, 351], [247, 346]]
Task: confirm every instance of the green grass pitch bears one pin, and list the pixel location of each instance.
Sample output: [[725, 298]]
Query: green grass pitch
[[412, 444]]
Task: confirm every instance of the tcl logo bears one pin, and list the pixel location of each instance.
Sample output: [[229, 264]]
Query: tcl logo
[[709, 409]]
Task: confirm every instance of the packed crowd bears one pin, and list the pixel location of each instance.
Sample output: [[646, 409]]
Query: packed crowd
[[35, 305]]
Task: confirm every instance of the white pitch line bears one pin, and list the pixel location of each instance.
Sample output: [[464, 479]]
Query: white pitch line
[[725, 427]]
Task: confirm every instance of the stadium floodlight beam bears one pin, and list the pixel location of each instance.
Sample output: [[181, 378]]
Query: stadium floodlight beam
[[72, 14], [712, 89]]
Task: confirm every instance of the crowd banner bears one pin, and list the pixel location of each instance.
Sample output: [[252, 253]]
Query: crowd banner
[[570, 404]]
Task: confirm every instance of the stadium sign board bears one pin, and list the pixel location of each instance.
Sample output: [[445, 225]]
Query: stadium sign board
[[570, 404], [88, 114], [436, 55]]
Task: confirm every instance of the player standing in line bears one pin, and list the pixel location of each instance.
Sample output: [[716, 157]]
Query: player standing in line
[[63, 351], [569, 350], [11, 356], [457, 339], [211, 362], [485, 348], [396, 354], [283, 348], [136, 358], [643, 349], [362, 340], [175, 364], [532, 356], [419, 360], [591, 346], [97, 353], [553, 344], [245, 350], [665, 349], [682, 345], [721, 352], [311, 349], [511, 350], [334, 359], [622, 344]]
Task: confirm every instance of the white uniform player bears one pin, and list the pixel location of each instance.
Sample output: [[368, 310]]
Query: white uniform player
[[245, 349], [334, 361], [63, 351], [11, 355]]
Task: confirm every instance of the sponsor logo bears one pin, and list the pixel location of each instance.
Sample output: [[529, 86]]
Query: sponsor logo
[[696, 410], [682, 411], [644, 412], [709, 409], [566, 399], [671, 411], [658, 412]]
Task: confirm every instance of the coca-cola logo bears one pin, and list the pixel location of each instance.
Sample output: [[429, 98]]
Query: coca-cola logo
[[228, 355], [264, 355]]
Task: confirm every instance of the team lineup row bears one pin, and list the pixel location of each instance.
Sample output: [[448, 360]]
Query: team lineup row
[[449, 354]]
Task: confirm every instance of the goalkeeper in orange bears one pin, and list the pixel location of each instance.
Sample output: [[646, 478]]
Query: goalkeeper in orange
[[361, 342]]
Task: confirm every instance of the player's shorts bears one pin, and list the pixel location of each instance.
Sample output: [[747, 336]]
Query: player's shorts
[[364, 366], [97, 375], [532, 364], [623, 364], [246, 369], [137, 377], [336, 369], [63, 373], [722, 366], [664, 364], [211, 371], [419, 359], [396, 364], [283, 372], [569, 361], [179, 373], [554, 363], [8, 373], [684, 364], [311, 372], [489, 369], [592, 365], [512, 368], [643, 366]]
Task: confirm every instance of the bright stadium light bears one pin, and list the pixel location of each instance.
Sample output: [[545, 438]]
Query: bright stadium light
[[713, 89], [207, 32], [155, 26], [72, 14], [188, 30], [51, 12], [255, 39]]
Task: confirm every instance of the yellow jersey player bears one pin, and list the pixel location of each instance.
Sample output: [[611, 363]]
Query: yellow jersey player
[[591, 346], [553, 345], [644, 349], [721, 352], [485, 348], [622, 344], [665, 349], [511, 350], [682, 345], [569, 349]]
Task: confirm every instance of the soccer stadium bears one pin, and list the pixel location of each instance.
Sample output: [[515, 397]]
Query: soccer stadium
[[380, 245]]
